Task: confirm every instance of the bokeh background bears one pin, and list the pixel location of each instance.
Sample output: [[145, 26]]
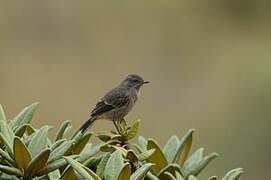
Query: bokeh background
[[208, 60]]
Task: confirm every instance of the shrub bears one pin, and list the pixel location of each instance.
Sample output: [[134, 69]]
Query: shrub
[[28, 153]]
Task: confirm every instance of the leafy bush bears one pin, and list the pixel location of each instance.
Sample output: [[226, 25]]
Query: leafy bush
[[28, 153]]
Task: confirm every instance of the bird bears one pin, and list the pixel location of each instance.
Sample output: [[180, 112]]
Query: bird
[[116, 103]]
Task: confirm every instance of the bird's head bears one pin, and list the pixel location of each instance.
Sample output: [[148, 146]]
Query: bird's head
[[133, 81]]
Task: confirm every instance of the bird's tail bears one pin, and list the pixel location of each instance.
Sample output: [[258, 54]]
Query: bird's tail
[[81, 131], [87, 125]]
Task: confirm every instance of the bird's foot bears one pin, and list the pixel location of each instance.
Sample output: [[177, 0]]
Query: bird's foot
[[121, 126]]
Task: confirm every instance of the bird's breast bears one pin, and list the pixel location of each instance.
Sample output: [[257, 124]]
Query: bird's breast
[[134, 95]]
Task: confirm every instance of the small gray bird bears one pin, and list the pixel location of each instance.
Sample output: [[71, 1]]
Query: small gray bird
[[117, 103]]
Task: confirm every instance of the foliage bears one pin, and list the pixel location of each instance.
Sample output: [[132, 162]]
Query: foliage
[[28, 153]]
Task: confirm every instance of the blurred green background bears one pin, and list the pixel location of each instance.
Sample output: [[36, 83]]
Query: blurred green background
[[209, 63]]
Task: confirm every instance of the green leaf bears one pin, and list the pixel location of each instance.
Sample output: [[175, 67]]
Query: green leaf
[[193, 160], [178, 175], [137, 148], [107, 148], [57, 143], [191, 177], [142, 142], [2, 113], [171, 149], [7, 134], [167, 176], [25, 116], [92, 162], [54, 175], [131, 156], [52, 166], [140, 173], [132, 131], [196, 163], [39, 141], [122, 149], [233, 174], [6, 156], [21, 154], [145, 155], [94, 176], [59, 151], [104, 136], [69, 174], [8, 146], [30, 130], [38, 162], [114, 166], [157, 157], [21, 130], [101, 166], [184, 147], [121, 138], [60, 133], [90, 150], [213, 178], [79, 146], [27, 139], [125, 173], [171, 168], [204, 162], [79, 168], [83, 171], [11, 170], [151, 176]]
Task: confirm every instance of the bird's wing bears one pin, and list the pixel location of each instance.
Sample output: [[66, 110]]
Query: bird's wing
[[116, 98]]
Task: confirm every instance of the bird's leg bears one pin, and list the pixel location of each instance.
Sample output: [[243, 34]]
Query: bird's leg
[[122, 126], [115, 124]]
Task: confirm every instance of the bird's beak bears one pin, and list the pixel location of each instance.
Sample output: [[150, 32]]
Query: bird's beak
[[146, 82]]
